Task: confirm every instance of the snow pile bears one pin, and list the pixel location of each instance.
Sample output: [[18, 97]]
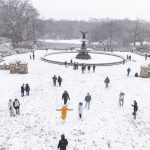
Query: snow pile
[[105, 126], [6, 49]]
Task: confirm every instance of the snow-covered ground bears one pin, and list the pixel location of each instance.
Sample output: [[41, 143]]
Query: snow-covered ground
[[105, 126]]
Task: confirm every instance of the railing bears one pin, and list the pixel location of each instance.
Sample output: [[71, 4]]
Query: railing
[[80, 64]]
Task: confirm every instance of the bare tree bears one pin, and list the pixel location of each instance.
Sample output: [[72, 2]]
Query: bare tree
[[15, 15]]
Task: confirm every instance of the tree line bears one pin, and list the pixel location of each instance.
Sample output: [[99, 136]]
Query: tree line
[[20, 22]]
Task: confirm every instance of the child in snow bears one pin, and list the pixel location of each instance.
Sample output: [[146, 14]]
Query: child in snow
[[11, 108], [64, 110], [80, 109], [121, 99]]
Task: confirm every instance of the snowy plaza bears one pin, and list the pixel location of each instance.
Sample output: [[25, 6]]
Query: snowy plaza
[[105, 126]]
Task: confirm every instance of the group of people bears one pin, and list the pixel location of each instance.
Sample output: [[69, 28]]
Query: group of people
[[64, 108], [128, 57], [55, 79], [121, 102], [14, 105], [128, 72], [25, 88], [32, 56], [83, 68]]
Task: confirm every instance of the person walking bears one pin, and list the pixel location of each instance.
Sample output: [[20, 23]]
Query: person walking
[[80, 109], [121, 99], [65, 97], [59, 80], [128, 71], [27, 88], [54, 80], [93, 68], [16, 105], [11, 108], [135, 109], [62, 143], [89, 67], [107, 81], [146, 56], [64, 110], [33, 55], [65, 63], [88, 100], [22, 90]]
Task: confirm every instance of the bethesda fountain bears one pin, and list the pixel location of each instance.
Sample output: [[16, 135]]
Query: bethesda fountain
[[83, 52]]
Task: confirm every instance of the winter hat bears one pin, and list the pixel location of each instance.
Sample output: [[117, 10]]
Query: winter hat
[[62, 136]]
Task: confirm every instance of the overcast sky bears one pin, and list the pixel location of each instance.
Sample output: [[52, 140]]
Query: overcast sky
[[85, 9]]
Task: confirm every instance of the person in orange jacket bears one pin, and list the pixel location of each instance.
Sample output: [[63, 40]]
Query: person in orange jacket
[[64, 110]]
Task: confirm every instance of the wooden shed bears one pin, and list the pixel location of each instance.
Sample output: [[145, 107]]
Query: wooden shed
[[145, 71]]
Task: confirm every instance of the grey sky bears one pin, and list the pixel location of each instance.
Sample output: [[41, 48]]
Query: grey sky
[[85, 9]]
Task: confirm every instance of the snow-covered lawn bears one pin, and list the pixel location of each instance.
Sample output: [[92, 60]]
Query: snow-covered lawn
[[105, 126]]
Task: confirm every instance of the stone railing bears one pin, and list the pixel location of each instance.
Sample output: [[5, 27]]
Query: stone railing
[[96, 64]]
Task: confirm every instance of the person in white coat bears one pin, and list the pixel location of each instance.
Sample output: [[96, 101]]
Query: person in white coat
[[80, 109], [121, 99], [11, 108]]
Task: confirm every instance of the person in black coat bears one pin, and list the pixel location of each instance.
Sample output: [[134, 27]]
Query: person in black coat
[[128, 71], [62, 143], [65, 97], [59, 80], [54, 80], [16, 105], [27, 88], [89, 67], [22, 90], [107, 81], [135, 109], [93, 68]]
